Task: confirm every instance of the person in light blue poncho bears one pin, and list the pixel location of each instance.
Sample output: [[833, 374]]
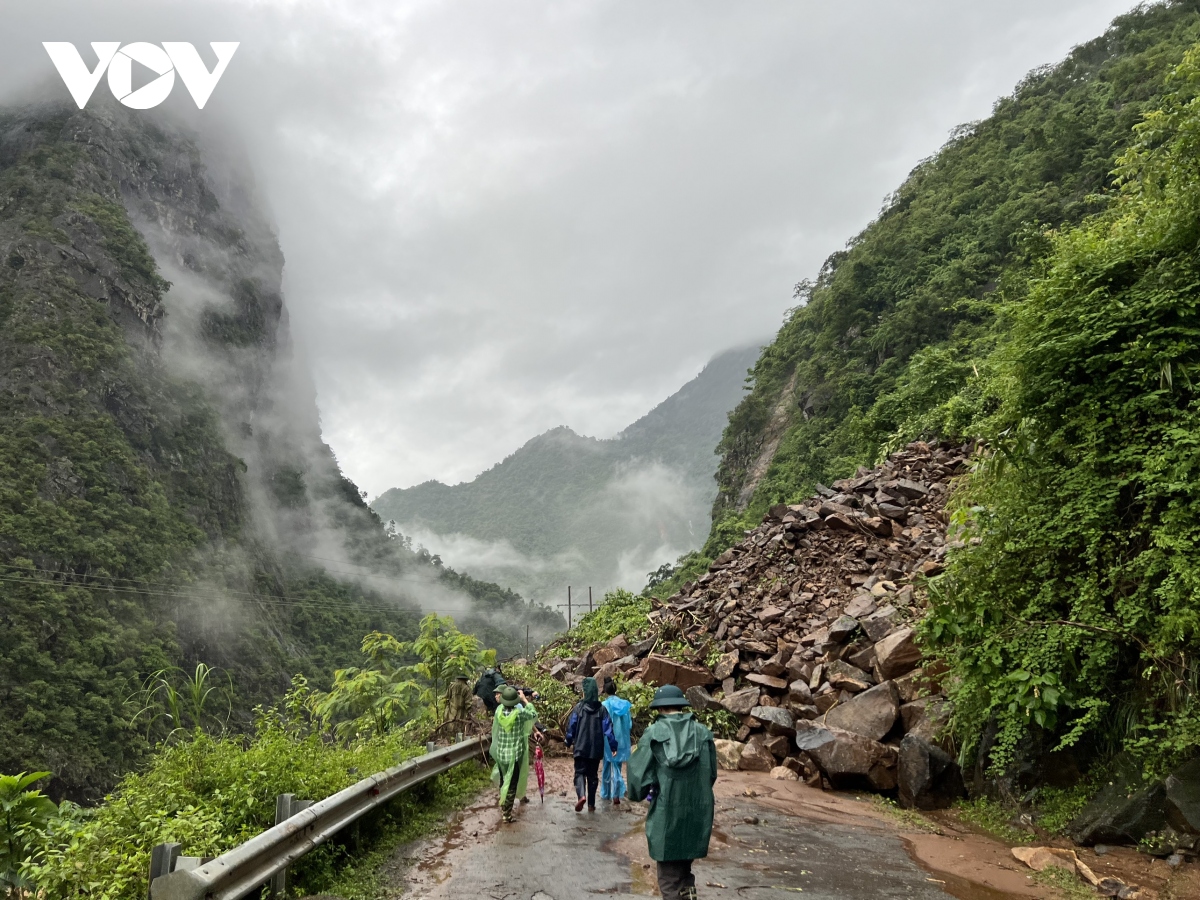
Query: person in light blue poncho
[[612, 784]]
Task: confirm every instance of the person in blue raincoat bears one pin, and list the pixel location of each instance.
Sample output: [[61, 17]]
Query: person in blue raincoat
[[612, 782]]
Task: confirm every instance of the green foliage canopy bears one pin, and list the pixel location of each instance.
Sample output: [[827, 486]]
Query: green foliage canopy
[[1074, 606]]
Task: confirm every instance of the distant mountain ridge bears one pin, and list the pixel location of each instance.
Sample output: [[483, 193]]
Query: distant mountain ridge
[[569, 509]]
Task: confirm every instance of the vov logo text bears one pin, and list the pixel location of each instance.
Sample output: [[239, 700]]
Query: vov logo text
[[118, 60]]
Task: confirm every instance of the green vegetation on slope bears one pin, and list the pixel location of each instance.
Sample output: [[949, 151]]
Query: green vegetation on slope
[[128, 540], [1077, 612], [1008, 291], [898, 322]]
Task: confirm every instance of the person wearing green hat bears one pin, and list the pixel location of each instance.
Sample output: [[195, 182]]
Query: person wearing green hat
[[510, 743], [675, 766]]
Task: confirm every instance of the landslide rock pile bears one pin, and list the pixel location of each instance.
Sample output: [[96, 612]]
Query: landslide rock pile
[[810, 622]]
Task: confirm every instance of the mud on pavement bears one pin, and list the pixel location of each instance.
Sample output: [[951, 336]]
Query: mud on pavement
[[771, 840]]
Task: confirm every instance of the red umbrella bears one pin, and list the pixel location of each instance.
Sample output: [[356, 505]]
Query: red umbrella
[[540, 771]]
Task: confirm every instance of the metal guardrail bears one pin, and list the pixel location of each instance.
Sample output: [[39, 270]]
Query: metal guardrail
[[249, 866]]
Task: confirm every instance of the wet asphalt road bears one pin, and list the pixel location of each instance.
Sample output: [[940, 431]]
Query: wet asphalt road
[[554, 853]]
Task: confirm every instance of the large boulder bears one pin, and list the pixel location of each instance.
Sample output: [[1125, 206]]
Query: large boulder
[[700, 698], [725, 665], [729, 754], [846, 677], [741, 702], [870, 714], [756, 757], [799, 692], [1183, 797], [880, 622], [848, 759], [1123, 812], [660, 670], [926, 717], [776, 719], [929, 778], [768, 681], [604, 655], [897, 653], [842, 628]]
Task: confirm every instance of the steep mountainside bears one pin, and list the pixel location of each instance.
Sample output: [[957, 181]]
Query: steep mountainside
[[566, 509], [895, 324], [165, 496]]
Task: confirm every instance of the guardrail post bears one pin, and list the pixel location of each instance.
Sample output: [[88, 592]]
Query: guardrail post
[[283, 812], [162, 862]]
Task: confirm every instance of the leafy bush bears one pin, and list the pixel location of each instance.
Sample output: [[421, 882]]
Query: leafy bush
[[621, 612], [208, 794]]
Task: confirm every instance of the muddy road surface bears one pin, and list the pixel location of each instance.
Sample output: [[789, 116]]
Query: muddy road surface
[[772, 840]]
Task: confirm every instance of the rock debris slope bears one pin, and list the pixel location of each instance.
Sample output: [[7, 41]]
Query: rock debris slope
[[810, 621]]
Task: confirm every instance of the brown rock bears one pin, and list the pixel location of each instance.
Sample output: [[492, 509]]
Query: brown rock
[[897, 653], [741, 702], [660, 670], [768, 681], [861, 606], [927, 718], [756, 757], [780, 745], [784, 773], [559, 669], [842, 628], [729, 754], [620, 643], [863, 659], [587, 665], [770, 614], [799, 691], [725, 665], [604, 655], [846, 677], [870, 714]]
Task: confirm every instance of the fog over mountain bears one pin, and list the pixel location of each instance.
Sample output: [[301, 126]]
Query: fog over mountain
[[499, 218], [566, 509]]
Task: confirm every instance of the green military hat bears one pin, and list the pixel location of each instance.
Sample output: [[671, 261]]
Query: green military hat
[[668, 695], [508, 696]]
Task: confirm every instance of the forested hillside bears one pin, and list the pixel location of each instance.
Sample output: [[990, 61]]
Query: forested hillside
[[165, 496], [566, 509], [896, 323], [1032, 285]]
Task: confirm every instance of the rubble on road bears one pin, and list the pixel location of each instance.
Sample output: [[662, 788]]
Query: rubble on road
[[809, 625]]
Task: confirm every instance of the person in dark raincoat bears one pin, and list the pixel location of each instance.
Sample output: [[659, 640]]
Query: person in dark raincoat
[[488, 686], [675, 764], [589, 728]]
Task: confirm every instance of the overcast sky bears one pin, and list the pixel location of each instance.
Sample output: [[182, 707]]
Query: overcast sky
[[503, 216]]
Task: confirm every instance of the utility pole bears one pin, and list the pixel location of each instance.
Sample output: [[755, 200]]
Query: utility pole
[[568, 607], [589, 598], [527, 641]]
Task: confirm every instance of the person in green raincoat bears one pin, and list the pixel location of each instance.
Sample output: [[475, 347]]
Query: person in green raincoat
[[675, 767], [530, 732], [510, 743]]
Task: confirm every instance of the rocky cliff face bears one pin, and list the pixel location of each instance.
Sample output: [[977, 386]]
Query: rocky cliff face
[[165, 495]]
